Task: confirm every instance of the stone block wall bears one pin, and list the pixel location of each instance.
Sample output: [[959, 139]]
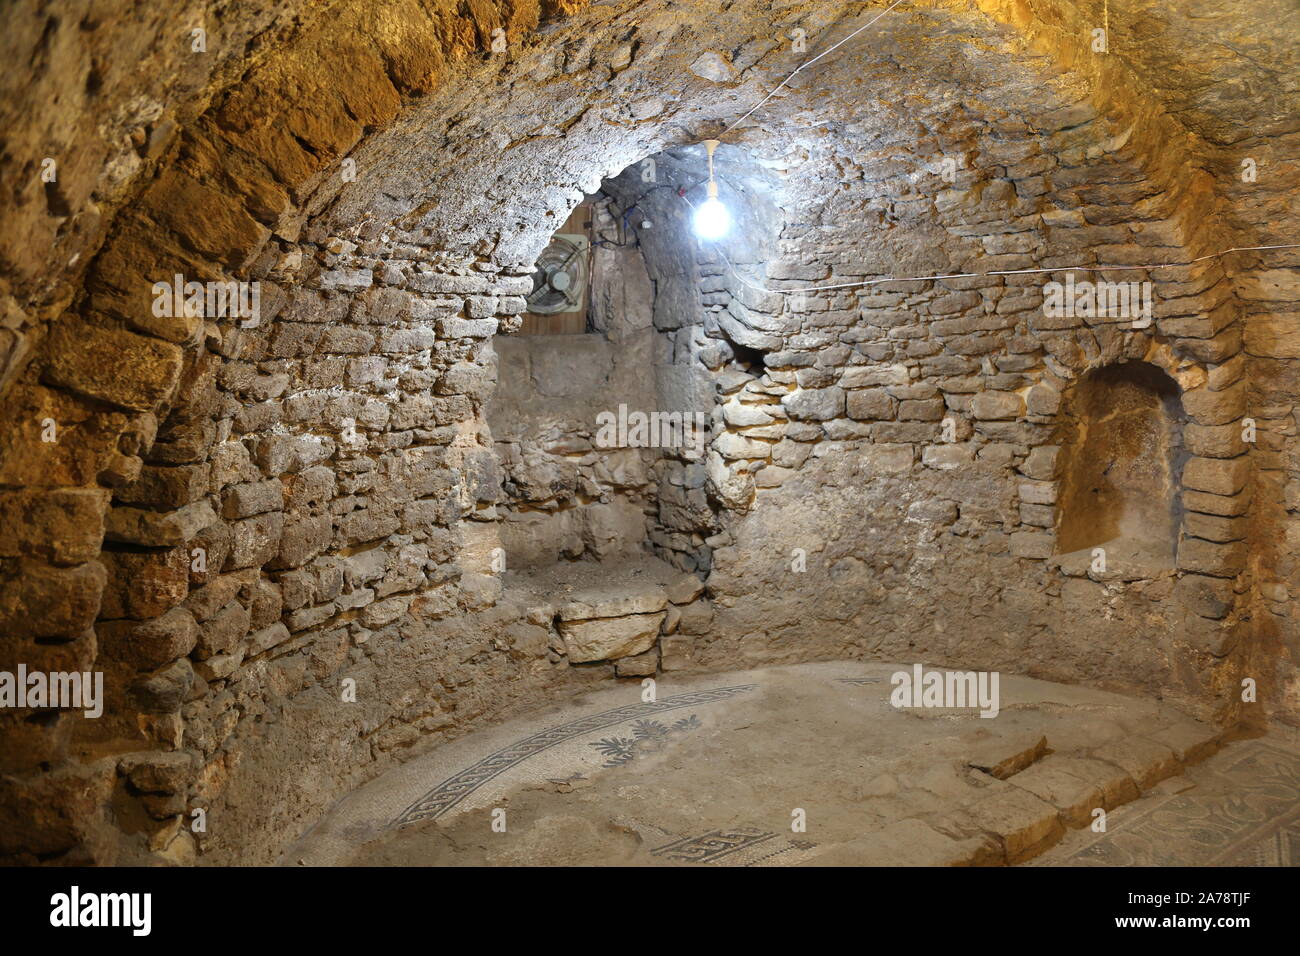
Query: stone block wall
[[565, 496]]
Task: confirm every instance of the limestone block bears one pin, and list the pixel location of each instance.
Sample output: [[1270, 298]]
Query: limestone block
[[735, 447], [741, 416], [696, 618], [1208, 597], [144, 584], [677, 652], [252, 498], [78, 358], [1073, 797], [865, 376], [1145, 760], [1224, 505], [219, 666], [1116, 786], [167, 487], [1026, 824], [639, 665], [254, 541], [1216, 476], [151, 644], [302, 539], [1041, 463], [1003, 757], [267, 638], [224, 231], [946, 457], [309, 617], [63, 525], [614, 600], [1207, 407], [528, 640], [815, 404], [921, 410], [157, 772], [1190, 740], [1038, 492], [1278, 285], [870, 404], [1212, 558], [996, 406], [1214, 527], [1274, 335], [733, 488], [608, 638], [1042, 399], [684, 589], [157, 529], [223, 631], [165, 690], [1215, 441]]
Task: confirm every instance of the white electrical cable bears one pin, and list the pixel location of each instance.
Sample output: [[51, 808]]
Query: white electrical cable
[[957, 275], [808, 63]]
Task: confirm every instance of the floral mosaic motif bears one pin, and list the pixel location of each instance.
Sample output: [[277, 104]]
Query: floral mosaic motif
[[648, 736]]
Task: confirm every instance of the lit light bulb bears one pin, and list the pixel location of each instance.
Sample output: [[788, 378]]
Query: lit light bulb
[[711, 220]]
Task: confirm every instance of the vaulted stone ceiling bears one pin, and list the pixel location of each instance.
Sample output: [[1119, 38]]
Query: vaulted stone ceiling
[[107, 92]]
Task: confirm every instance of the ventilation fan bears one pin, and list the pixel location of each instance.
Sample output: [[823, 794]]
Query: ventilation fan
[[561, 277]]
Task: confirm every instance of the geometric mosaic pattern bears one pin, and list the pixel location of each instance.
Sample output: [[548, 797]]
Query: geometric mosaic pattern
[[460, 785], [1253, 819], [736, 846]]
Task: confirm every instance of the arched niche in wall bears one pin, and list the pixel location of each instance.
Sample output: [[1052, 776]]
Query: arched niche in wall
[[1122, 457], [663, 315]]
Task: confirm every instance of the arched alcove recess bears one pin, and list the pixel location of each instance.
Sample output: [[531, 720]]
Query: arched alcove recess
[[333, 463], [1122, 458]]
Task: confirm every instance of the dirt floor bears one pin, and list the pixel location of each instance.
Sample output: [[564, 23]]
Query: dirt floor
[[813, 765]]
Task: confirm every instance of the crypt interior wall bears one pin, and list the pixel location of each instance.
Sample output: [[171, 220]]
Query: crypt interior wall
[[347, 467]]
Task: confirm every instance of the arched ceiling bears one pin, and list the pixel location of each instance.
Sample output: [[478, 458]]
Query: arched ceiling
[[450, 138]]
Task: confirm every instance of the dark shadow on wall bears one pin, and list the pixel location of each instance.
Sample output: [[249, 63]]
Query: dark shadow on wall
[[1123, 454]]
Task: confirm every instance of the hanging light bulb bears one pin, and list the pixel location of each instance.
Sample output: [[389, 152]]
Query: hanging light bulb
[[712, 220]]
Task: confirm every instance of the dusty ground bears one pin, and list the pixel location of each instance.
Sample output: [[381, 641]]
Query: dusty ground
[[609, 780]]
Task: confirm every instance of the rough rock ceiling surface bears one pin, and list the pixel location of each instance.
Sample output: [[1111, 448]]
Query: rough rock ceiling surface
[[111, 88]]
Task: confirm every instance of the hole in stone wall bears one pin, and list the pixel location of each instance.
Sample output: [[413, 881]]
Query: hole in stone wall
[[559, 303], [1122, 460], [751, 360]]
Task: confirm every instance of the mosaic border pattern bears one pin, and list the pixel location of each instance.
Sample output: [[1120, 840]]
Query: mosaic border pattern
[[712, 846], [457, 787], [1256, 823], [740, 845]]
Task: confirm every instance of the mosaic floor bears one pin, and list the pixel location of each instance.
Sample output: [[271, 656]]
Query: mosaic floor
[[1239, 808], [714, 770]]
